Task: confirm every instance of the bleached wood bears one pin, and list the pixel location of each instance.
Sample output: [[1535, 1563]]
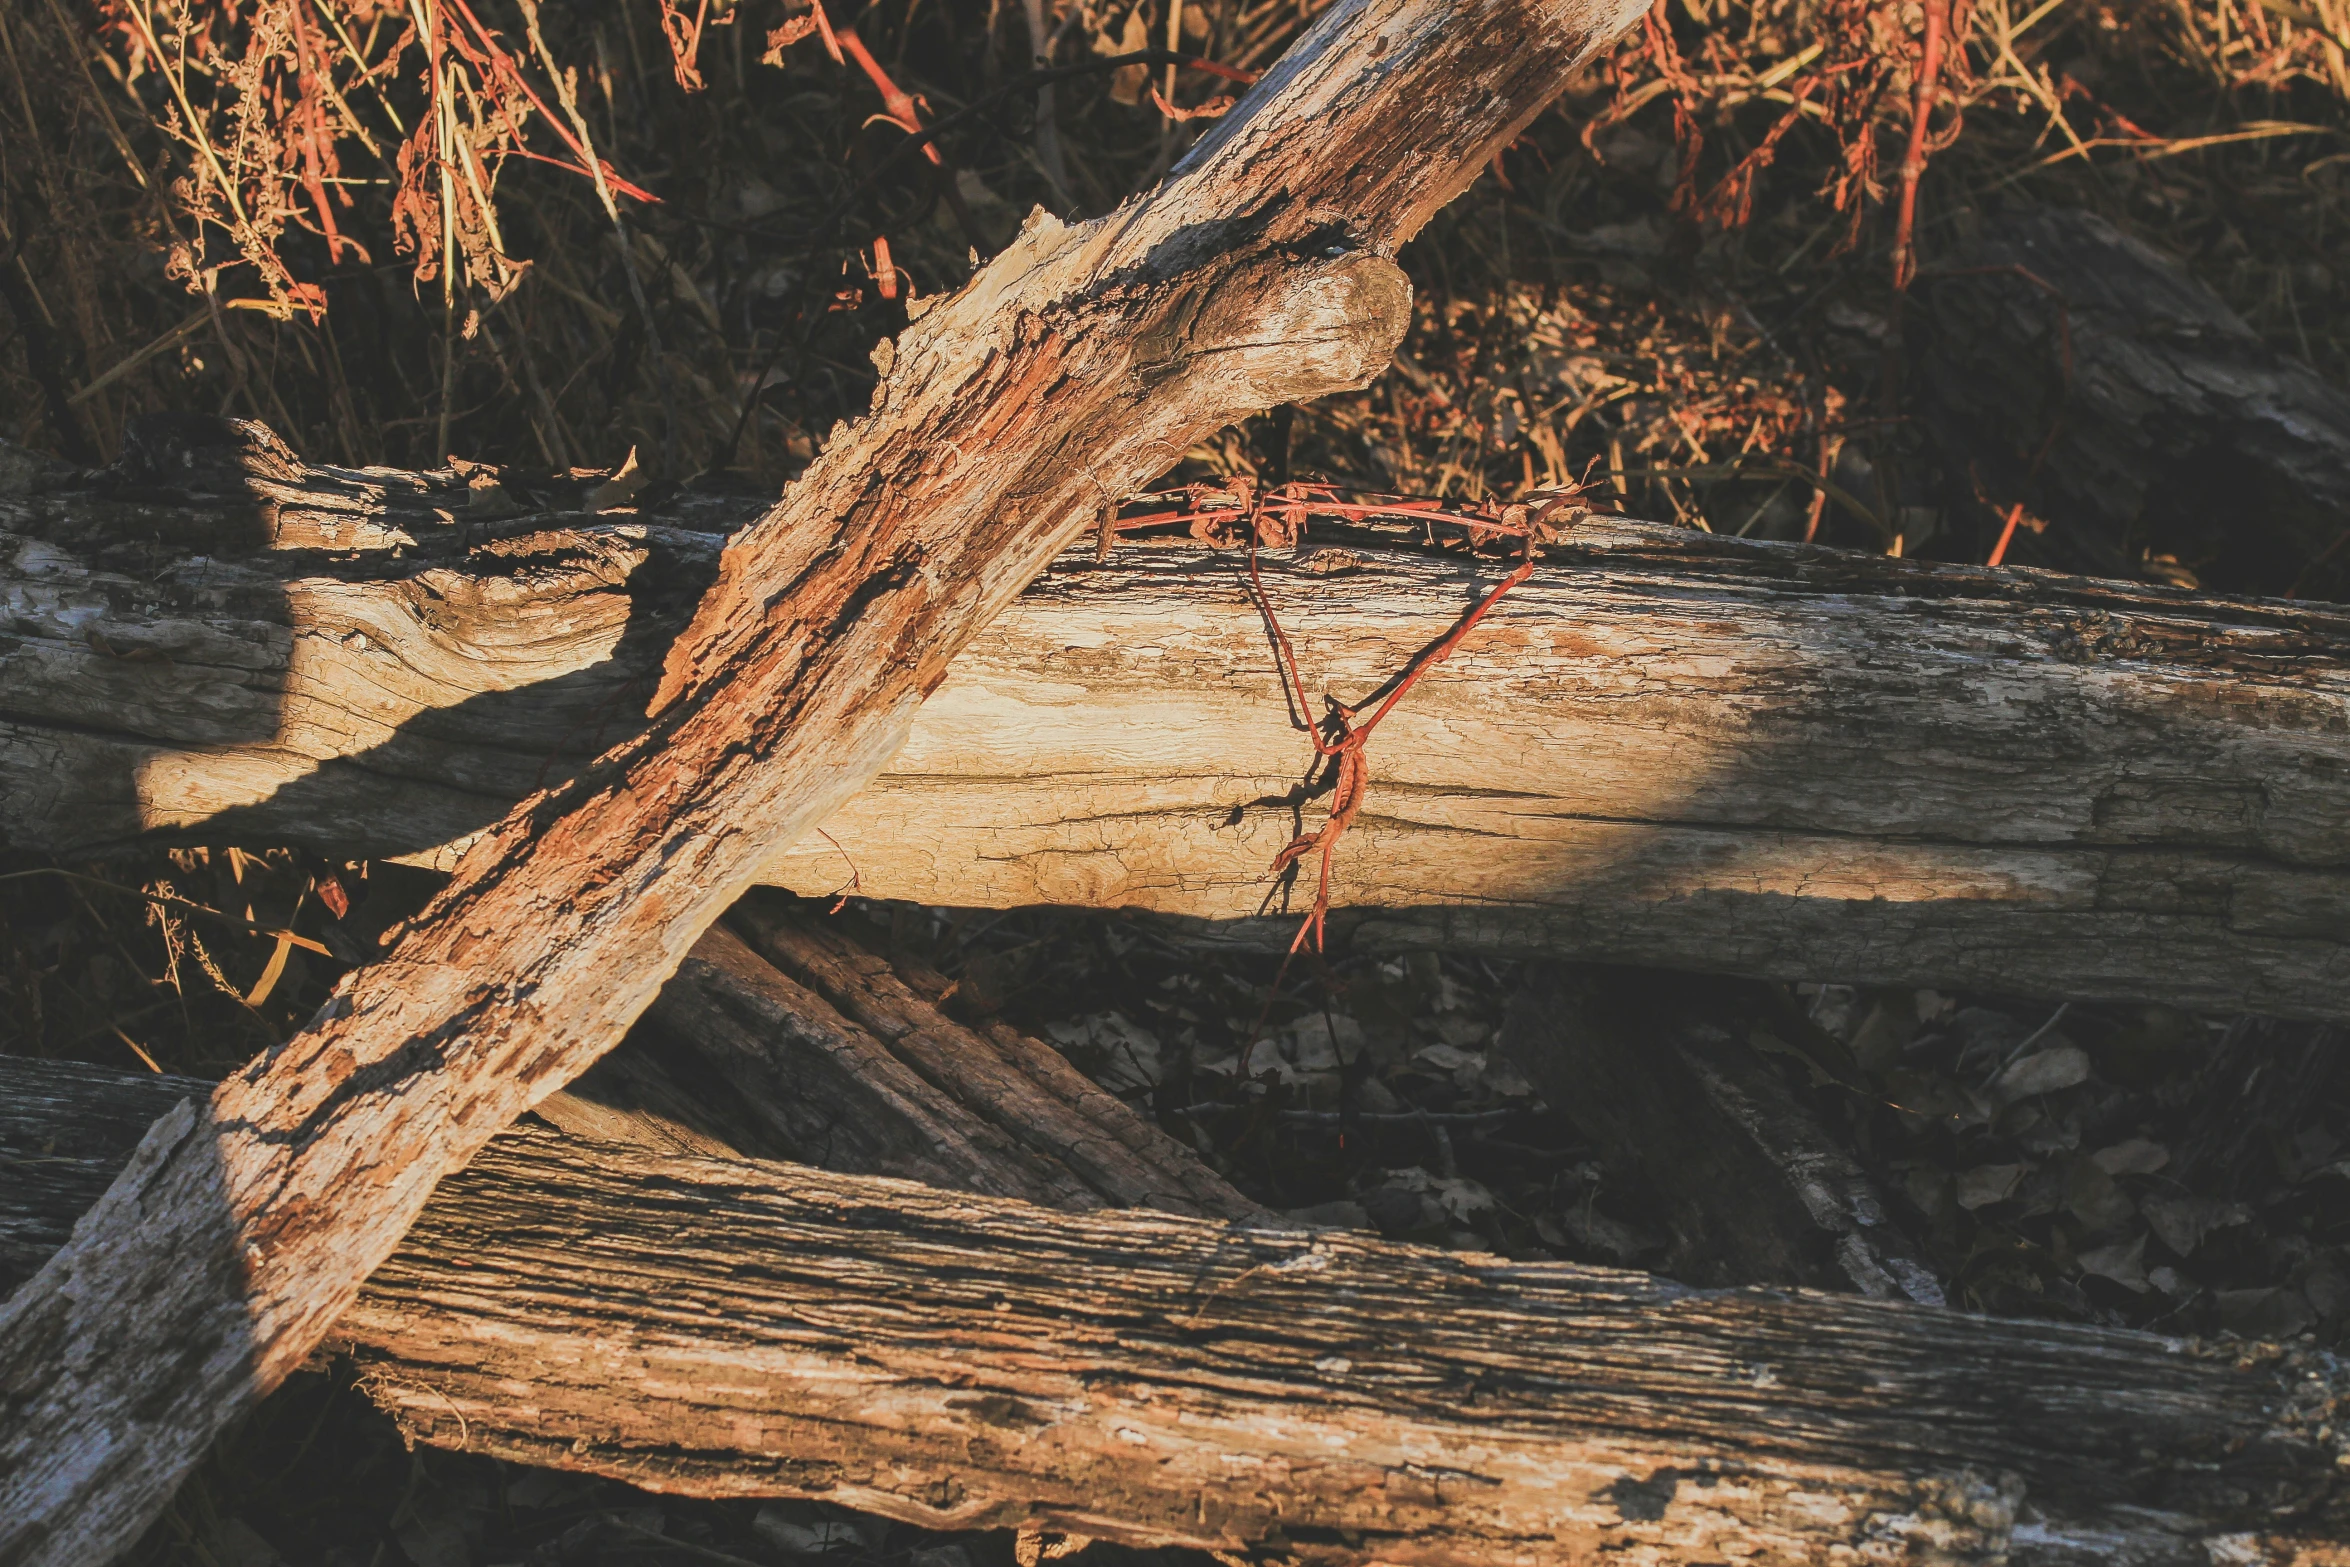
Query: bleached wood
[[957, 1361], [1666, 748], [1076, 365]]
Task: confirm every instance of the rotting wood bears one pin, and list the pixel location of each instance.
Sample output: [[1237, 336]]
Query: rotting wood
[[1667, 748], [1750, 1185], [1076, 365], [955, 1361]]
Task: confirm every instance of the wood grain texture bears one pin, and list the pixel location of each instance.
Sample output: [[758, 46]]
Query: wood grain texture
[[1076, 365], [1667, 748], [802, 1044], [1030, 1106], [956, 1361]]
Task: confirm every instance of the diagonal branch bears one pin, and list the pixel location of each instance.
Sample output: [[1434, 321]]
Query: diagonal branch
[[1078, 364]]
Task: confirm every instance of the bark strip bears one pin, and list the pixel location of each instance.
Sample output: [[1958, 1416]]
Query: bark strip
[[717, 1329], [1078, 364]]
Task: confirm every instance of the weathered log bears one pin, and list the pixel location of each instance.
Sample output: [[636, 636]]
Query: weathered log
[[1076, 365], [706, 1328], [1666, 749], [2076, 369], [842, 1064], [1752, 1188], [815, 1050]]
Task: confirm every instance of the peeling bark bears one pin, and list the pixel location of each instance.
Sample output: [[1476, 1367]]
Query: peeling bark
[[1665, 749], [955, 1361], [1079, 363]]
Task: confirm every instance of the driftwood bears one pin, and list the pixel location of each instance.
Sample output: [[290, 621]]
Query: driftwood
[[2177, 431], [1754, 1190], [1076, 365], [1667, 748], [962, 1362]]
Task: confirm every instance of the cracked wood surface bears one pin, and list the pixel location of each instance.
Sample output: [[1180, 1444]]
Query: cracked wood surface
[[1666, 748], [712, 1328], [1079, 363]]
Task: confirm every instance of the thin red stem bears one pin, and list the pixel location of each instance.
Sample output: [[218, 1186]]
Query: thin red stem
[[1913, 161], [894, 101]]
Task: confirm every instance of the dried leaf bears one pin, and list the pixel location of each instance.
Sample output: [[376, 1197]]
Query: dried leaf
[[2264, 1313], [2181, 1223], [621, 488], [2042, 1072], [1111, 1050], [2124, 1262], [2138, 1156], [802, 1530], [1324, 1041], [1986, 1184], [272, 972], [2092, 1197], [1456, 1195], [782, 38]]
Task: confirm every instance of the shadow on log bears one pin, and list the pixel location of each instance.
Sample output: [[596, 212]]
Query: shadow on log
[[811, 1048], [1075, 366], [726, 1329]]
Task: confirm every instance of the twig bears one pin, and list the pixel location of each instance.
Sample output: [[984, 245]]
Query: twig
[[174, 902], [636, 288]]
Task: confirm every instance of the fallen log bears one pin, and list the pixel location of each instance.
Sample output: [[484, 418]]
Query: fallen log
[[799, 1044], [717, 1329], [1077, 364], [1666, 749], [2083, 373], [1751, 1187]]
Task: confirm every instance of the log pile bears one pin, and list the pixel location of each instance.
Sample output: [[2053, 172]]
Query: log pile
[[1077, 365], [808, 1234]]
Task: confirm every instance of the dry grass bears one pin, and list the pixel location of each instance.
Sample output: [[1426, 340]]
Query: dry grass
[[393, 230]]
